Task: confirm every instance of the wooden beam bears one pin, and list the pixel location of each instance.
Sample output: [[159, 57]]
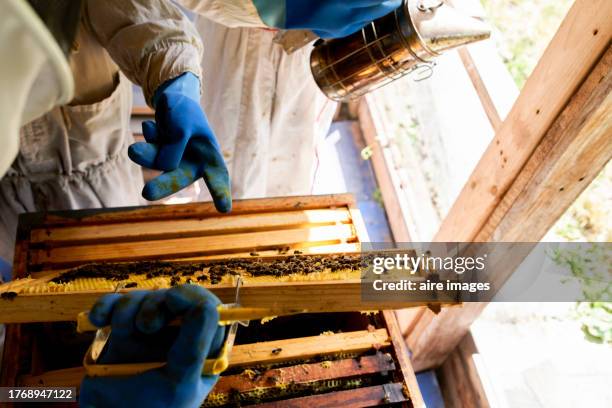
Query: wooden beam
[[459, 379], [142, 111], [304, 348], [387, 180], [66, 377], [188, 247], [279, 298], [481, 90], [305, 373], [268, 352], [265, 254], [567, 158], [192, 210], [581, 39], [10, 361], [573, 152], [360, 397], [181, 228], [403, 357]]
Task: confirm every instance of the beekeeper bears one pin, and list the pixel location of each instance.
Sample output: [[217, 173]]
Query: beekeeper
[[69, 122], [139, 333], [74, 155], [264, 106]]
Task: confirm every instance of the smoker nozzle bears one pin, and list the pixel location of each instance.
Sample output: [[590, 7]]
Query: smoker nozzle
[[391, 47]]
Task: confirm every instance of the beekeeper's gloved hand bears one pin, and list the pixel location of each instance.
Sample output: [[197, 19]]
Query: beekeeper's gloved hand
[[181, 144], [139, 334], [327, 18], [6, 271]]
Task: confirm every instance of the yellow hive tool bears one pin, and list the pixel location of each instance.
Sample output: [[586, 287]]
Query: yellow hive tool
[[211, 366]]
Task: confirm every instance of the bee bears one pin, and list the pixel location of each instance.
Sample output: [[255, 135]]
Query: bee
[[8, 295]]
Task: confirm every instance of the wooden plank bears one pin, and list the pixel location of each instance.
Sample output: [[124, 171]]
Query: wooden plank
[[481, 89], [279, 298], [403, 357], [400, 185], [569, 156], [449, 386], [11, 360], [360, 397], [67, 377], [275, 253], [304, 373], [459, 380], [256, 353], [573, 153], [192, 210], [165, 229], [142, 111], [386, 178], [582, 37], [360, 228], [187, 247], [407, 319]]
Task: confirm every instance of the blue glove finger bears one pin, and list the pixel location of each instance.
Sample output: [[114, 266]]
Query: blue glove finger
[[102, 311], [144, 154], [170, 182], [149, 131], [174, 136], [214, 171], [124, 313], [6, 271], [199, 333], [153, 314]]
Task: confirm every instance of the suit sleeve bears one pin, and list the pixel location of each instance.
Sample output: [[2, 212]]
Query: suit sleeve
[[151, 41]]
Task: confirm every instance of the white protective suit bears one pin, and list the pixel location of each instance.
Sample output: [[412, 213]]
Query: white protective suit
[[263, 105], [75, 156]]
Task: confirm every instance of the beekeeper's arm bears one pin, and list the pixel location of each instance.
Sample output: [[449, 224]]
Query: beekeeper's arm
[[156, 47], [327, 18], [140, 333]]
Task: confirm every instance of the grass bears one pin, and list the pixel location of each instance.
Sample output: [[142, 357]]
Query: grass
[[523, 29]]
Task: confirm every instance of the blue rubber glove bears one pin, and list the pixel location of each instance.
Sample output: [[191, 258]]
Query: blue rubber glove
[[139, 334], [181, 144], [327, 18], [6, 271]]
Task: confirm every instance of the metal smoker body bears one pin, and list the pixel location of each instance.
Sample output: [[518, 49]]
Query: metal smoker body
[[391, 47]]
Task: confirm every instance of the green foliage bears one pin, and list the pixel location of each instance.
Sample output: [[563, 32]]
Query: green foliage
[[596, 318], [592, 267], [523, 30], [377, 196]]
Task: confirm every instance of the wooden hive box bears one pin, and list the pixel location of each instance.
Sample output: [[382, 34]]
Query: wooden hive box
[[320, 359]]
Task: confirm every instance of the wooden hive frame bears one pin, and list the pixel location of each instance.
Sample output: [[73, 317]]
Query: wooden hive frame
[[48, 244]]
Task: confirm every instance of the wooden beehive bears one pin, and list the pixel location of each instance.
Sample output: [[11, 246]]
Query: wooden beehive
[[325, 359]]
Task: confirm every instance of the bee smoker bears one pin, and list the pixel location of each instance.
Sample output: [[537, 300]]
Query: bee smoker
[[391, 47]]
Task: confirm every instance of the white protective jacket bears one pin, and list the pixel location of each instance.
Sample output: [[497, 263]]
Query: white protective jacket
[[75, 156], [263, 105]]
